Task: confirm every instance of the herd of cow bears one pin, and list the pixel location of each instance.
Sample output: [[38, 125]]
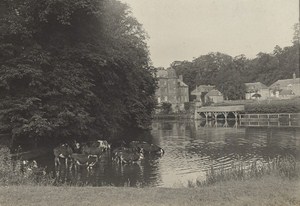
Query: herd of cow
[[87, 154]]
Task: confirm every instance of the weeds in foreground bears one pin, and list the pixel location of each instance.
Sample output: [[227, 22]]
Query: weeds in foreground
[[16, 172], [284, 167]]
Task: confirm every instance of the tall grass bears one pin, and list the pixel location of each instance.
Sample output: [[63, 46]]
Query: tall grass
[[284, 167], [13, 172]]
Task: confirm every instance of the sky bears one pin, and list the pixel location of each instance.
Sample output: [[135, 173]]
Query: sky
[[186, 29]]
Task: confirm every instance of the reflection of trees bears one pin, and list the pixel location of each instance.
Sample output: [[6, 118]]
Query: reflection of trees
[[271, 142]]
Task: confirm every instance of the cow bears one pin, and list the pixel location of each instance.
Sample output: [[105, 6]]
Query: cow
[[83, 160], [127, 155], [31, 167], [92, 150], [147, 148], [62, 151], [103, 144]]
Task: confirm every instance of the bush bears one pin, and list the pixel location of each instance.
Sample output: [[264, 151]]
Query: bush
[[14, 172], [166, 108], [274, 106]]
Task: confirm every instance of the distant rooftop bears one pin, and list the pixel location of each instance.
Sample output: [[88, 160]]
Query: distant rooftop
[[214, 92], [254, 86], [202, 88], [285, 82]]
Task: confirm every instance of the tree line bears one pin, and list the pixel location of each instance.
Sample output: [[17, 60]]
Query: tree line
[[229, 73], [73, 69]]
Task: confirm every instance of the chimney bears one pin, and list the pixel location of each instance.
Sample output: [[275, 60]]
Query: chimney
[[181, 77]]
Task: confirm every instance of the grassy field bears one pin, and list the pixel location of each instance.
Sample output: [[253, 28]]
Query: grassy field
[[268, 190]]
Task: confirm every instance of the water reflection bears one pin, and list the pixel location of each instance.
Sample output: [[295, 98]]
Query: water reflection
[[110, 173], [191, 148]]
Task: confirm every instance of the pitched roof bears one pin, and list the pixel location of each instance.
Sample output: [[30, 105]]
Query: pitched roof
[[254, 86], [166, 73], [162, 73], [182, 84], [285, 82], [202, 88], [214, 92]]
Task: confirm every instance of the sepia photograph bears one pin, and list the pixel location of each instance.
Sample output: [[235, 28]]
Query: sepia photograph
[[149, 102]]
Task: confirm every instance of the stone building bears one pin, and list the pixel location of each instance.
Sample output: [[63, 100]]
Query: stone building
[[171, 89]]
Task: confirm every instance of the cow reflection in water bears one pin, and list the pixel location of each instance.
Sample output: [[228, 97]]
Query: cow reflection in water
[[62, 158], [129, 174]]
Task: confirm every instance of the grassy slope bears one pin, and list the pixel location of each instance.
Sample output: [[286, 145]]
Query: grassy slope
[[265, 191]]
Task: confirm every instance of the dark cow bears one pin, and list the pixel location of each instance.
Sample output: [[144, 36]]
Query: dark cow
[[76, 147], [147, 148], [64, 152], [127, 155]]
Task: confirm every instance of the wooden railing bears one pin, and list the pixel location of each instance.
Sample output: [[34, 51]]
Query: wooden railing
[[271, 116], [279, 119]]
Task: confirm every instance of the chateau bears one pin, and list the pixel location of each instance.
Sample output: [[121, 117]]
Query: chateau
[[171, 89]]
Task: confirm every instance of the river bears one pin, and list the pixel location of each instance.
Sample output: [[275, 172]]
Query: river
[[191, 148]]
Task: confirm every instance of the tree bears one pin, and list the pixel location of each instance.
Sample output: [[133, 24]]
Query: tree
[[72, 69], [296, 37], [166, 108], [230, 84]]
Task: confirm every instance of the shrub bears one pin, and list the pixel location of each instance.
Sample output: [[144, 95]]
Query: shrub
[[274, 106], [14, 172], [166, 108]]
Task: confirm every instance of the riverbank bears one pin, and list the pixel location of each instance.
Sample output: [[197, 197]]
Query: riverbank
[[268, 190], [173, 116]]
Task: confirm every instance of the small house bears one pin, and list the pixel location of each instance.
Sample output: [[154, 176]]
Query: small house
[[256, 90], [214, 96]]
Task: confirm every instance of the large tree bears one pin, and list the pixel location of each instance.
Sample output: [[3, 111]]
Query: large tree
[[230, 83], [72, 69]]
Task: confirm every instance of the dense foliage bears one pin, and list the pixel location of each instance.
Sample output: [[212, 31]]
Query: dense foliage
[[72, 69], [229, 74], [166, 108]]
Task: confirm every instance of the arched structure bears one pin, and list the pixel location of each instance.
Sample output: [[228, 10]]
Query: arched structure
[[219, 112]]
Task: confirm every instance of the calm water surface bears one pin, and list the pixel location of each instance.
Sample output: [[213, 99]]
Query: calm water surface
[[191, 147]]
